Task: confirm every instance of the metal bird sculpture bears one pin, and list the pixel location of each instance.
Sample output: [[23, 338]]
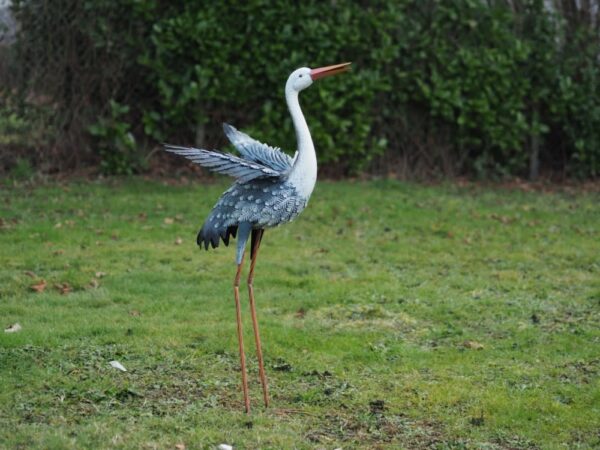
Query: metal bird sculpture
[[271, 188]]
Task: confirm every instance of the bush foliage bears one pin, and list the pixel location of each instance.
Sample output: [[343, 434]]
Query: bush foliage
[[437, 88]]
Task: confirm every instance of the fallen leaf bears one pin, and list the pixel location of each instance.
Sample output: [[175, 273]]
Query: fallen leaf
[[300, 313], [502, 219], [118, 365], [169, 220], [94, 283], [135, 313], [180, 446], [39, 286], [30, 274], [58, 252], [63, 288], [473, 345], [58, 225], [178, 241], [100, 274], [14, 328]]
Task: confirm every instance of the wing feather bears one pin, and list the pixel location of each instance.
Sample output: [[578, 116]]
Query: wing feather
[[242, 169], [253, 150]]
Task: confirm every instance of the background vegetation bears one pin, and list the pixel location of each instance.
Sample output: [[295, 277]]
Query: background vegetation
[[438, 88]]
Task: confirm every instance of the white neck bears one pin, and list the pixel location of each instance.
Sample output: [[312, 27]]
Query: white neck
[[304, 172]]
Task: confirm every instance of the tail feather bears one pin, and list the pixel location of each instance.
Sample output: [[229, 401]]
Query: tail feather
[[211, 236]]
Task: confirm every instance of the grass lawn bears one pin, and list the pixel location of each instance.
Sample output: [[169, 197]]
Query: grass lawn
[[392, 316]]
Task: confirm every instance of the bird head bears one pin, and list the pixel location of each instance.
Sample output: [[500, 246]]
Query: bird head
[[303, 77]]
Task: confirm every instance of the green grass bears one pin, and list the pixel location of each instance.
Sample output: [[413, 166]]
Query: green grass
[[367, 305]]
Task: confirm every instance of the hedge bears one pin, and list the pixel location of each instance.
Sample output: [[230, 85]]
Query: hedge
[[437, 88]]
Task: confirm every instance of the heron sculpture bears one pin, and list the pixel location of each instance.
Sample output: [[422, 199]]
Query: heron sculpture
[[271, 188]]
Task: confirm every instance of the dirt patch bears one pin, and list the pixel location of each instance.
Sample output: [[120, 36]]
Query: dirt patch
[[376, 429], [579, 371]]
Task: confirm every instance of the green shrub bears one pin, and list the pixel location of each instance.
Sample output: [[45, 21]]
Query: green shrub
[[218, 61], [462, 87], [575, 105], [115, 142], [484, 80]]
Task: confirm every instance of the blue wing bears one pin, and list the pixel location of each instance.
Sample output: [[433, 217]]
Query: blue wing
[[252, 150], [242, 169]]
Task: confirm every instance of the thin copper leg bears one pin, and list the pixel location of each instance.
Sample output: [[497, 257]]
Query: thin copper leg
[[236, 292], [261, 367]]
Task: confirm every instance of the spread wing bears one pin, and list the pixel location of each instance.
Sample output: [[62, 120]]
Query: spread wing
[[252, 150], [242, 169]]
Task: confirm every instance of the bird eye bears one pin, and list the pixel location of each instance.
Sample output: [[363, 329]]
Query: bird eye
[[300, 75]]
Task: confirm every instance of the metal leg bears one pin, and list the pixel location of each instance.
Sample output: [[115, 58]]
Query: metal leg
[[256, 238], [236, 292]]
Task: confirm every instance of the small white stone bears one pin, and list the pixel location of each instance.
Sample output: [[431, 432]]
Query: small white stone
[[225, 447], [14, 328], [118, 365]]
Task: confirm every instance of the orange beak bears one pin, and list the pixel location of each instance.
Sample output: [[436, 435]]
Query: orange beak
[[322, 72]]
